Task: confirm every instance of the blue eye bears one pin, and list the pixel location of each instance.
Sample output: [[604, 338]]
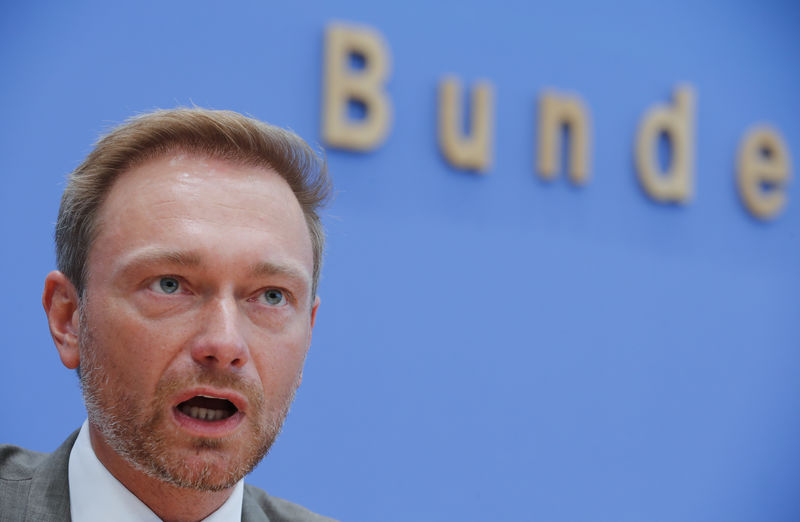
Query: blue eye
[[274, 297], [169, 285]]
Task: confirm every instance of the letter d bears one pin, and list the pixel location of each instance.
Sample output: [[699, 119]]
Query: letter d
[[674, 185]]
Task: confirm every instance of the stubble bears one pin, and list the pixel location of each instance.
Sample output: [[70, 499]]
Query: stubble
[[143, 437]]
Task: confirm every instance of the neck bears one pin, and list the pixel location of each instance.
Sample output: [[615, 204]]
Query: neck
[[168, 502]]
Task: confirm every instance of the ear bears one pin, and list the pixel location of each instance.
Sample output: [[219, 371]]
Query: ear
[[314, 313], [308, 344], [60, 301]]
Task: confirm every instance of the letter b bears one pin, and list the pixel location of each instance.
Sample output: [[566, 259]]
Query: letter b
[[343, 84]]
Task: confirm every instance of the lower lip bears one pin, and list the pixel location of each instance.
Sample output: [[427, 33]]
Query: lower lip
[[213, 429]]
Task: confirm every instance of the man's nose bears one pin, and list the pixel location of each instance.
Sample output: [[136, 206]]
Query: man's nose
[[220, 342]]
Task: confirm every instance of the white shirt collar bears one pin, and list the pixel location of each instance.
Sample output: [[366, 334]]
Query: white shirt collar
[[96, 496]]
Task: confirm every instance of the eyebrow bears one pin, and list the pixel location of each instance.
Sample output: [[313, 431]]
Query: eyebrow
[[162, 256], [271, 269], [192, 259]]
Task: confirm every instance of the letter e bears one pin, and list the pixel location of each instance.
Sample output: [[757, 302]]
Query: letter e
[[764, 170]]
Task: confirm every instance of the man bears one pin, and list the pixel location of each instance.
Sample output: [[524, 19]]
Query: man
[[189, 250]]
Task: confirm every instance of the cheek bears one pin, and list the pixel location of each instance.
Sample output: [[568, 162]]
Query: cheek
[[129, 346], [279, 361]]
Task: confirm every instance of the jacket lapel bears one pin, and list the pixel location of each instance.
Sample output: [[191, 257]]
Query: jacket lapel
[[251, 510], [48, 499]]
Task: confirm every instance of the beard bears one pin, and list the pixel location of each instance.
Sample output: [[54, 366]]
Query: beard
[[143, 435]]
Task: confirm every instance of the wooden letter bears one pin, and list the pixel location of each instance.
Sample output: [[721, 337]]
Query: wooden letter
[[342, 85], [763, 172], [473, 151], [674, 185], [556, 111]]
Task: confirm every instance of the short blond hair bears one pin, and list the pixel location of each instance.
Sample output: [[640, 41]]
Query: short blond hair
[[223, 135]]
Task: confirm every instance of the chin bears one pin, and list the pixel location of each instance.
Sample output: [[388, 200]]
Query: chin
[[206, 466]]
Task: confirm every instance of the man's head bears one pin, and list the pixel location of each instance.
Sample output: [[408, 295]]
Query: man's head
[[189, 249], [222, 135]]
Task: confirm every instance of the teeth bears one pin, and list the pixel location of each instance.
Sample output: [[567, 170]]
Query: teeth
[[205, 413]]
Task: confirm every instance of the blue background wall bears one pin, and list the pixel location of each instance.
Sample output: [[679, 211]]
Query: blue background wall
[[489, 347]]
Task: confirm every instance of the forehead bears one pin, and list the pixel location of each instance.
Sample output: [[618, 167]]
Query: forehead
[[190, 202]]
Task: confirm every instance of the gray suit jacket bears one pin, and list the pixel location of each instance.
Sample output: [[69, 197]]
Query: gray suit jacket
[[34, 487]]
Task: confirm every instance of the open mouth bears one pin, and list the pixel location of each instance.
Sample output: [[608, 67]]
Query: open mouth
[[209, 409]]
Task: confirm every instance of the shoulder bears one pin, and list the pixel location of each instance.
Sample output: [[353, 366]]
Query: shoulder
[[19, 463], [257, 505], [33, 485], [18, 467]]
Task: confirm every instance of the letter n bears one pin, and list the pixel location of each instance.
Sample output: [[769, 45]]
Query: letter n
[[557, 111]]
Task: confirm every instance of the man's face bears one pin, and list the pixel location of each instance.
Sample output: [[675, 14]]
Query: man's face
[[196, 318]]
